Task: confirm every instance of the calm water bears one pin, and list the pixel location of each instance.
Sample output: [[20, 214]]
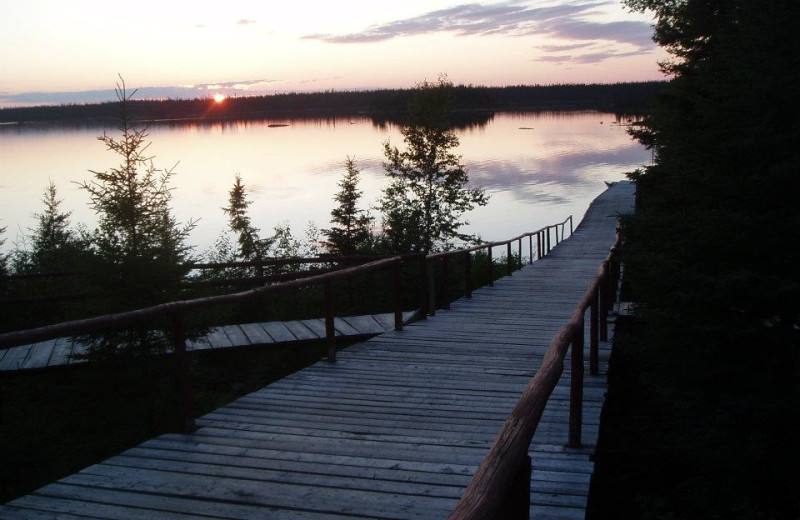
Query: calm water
[[538, 168]]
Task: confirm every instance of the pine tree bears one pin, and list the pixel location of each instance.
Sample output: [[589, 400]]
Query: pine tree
[[428, 195], [350, 233]]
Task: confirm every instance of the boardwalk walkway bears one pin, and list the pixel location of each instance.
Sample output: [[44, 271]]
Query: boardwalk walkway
[[66, 351], [393, 430]]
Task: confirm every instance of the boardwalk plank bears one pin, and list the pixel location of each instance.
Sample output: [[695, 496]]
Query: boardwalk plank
[[256, 334], [301, 331]]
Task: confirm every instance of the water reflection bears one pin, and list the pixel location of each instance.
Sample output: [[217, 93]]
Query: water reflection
[[539, 167], [467, 120], [567, 169]]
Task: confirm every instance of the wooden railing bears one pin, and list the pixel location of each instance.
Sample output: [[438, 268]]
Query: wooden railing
[[175, 312], [544, 243], [501, 486]]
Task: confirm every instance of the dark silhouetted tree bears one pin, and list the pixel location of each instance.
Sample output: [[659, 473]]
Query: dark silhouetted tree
[[140, 251], [424, 203], [351, 232], [3, 261], [54, 245], [251, 246]]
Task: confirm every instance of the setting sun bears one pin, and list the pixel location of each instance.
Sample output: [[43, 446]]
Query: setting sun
[[219, 98]]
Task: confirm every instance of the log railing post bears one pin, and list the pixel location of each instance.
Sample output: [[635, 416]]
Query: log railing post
[[571, 231], [445, 282], [431, 288], [594, 333], [576, 388], [183, 377], [548, 239], [330, 331], [519, 248], [555, 229], [519, 500], [423, 288], [539, 245], [468, 274], [397, 289], [530, 249], [490, 266], [604, 302], [509, 258]]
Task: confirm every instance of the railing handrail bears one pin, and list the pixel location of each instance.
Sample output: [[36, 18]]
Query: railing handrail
[[192, 266], [498, 243], [505, 463], [116, 320], [176, 310], [77, 327]]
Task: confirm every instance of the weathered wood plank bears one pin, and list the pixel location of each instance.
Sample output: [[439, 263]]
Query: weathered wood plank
[[364, 324], [278, 331], [256, 334], [217, 338], [39, 355], [301, 331], [236, 335]]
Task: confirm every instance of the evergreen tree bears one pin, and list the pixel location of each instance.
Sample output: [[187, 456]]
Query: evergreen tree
[[428, 194], [251, 246], [710, 258], [54, 246], [350, 233], [140, 252], [3, 261]]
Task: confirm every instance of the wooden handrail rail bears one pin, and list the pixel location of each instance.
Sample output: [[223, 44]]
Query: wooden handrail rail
[[499, 243], [487, 495], [77, 327], [321, 259]]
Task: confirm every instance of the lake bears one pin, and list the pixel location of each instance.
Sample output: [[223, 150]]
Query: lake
[[537, 167]]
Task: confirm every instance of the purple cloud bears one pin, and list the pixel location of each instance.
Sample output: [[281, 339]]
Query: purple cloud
[[513, 18]]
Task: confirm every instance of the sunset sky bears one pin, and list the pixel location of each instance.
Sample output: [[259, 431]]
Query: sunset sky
[[52, 51]]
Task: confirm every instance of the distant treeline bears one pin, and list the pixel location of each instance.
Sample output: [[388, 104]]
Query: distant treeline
[[617, 97]]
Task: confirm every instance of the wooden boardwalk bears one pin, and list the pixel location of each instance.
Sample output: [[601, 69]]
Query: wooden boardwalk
[[66, 351], [393, 430]]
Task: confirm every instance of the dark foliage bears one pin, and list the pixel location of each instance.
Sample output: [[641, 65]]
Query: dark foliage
[[351, 231], [423, 205], [711, 253], [139, 252], [251, 246]]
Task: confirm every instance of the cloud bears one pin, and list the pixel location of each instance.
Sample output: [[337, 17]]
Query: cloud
[[592, 57], [510, 18], [638, 34], [253, 86], [565, 48], [569, 21]]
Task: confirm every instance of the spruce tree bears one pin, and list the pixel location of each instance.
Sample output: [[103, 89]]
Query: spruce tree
[[350, 233], [140, 252], [54, 246], [251, 246]]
